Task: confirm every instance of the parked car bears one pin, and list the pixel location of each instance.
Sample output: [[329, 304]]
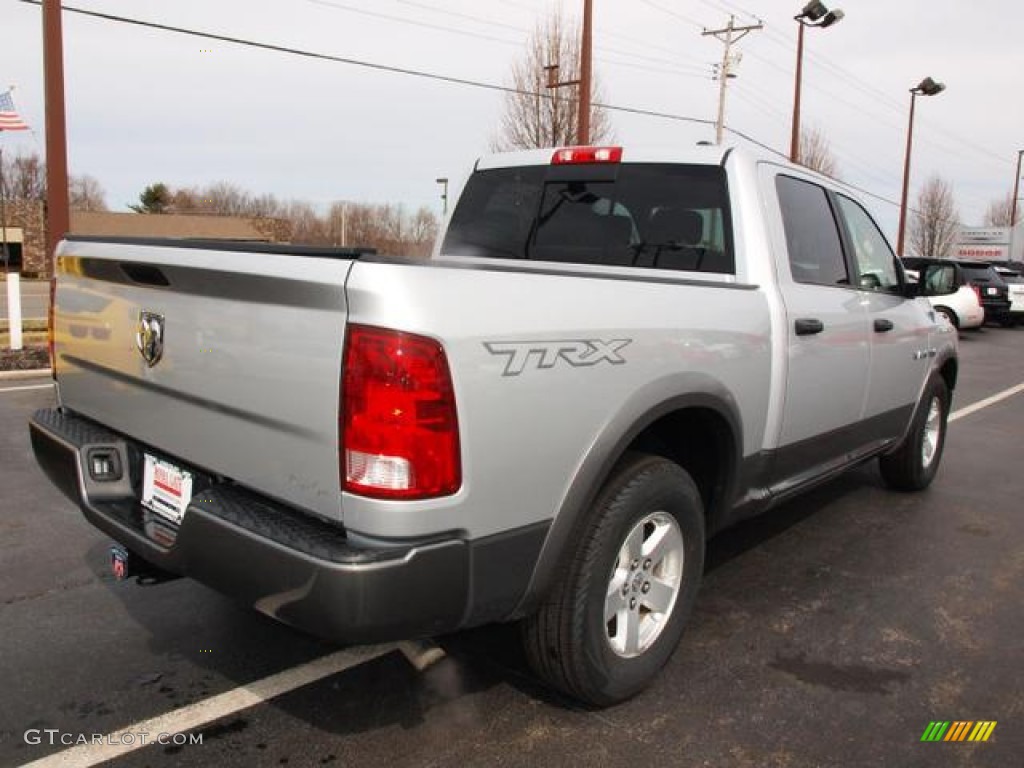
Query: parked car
[[1015, 283], [946, 289], [993, 290]]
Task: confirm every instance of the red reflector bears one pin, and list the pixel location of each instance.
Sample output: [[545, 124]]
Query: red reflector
[[579, 155], [399, 427]]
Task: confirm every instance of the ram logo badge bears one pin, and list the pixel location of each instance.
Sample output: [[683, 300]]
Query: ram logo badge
[[149, 337], [581, 353]]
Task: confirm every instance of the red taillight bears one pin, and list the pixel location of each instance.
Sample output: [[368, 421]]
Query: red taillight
[[50, 329], [580, 155], [977, 291], [399, 427]]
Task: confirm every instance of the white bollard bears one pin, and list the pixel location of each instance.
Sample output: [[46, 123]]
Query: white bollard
[[14, 308]]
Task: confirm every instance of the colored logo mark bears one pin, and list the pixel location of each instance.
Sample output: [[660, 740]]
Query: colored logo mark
[[958, 730]]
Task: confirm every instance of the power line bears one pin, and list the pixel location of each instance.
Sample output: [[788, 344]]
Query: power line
[[478, 20], [674, 14], [451, 79], [850, 78], [412, 22]]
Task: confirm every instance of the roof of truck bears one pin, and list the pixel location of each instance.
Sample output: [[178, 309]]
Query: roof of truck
[[698, 154]]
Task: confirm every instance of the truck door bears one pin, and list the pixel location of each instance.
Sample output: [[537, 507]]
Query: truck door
[[828, 343], [899, 327]]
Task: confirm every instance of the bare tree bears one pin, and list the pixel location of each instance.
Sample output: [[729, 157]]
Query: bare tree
[[24, 177], [816, 152], [998, 212], [86, 194], [933, 226], [388, 228], [538, 116]]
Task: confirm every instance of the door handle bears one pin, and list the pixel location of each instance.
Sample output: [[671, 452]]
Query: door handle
[[808, 326], [882, 325]]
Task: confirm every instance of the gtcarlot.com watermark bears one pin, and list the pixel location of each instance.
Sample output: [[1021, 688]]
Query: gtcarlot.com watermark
[[56, 737]]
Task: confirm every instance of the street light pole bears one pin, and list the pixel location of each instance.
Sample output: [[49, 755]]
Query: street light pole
[[443, 181], [1016, 191], [794, 141], [926, 87], [814, 14]]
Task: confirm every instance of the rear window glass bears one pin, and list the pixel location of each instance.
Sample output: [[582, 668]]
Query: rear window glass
[[661, 216], [979, 273]]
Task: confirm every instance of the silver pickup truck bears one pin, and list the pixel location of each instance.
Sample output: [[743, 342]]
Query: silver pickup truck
[[612, 355]]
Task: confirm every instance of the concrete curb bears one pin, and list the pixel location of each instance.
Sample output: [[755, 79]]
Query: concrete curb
[[32, 373]]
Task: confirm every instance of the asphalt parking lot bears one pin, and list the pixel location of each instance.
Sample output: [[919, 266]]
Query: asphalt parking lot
[[829, 633]]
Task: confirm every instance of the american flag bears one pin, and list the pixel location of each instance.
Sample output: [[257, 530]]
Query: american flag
[[9, 119]]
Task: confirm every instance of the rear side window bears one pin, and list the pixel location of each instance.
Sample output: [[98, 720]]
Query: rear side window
[[939, 280], [661, 216], [812, 237], [981, 273]]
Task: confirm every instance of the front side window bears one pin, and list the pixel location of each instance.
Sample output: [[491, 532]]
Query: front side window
[[876, 263], [812, 237]]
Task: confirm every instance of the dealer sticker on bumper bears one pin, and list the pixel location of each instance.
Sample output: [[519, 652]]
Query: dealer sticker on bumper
[[166, 489]]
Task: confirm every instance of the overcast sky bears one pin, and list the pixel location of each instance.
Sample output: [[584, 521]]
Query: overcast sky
[[145, 105]]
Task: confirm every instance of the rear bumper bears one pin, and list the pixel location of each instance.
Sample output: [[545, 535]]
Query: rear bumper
[[996, 309], [285, 564]]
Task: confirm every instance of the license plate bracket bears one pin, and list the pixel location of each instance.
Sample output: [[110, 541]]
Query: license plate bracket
[[166, 488]]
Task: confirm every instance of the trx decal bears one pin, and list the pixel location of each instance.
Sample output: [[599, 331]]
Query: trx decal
[[540, 355]]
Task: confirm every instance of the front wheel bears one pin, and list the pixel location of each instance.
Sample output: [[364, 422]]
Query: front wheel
[[913, 465], [619, 606]]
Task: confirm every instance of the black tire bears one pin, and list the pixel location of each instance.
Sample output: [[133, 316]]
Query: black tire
[[911, 467], [950, 315], [568, 641]]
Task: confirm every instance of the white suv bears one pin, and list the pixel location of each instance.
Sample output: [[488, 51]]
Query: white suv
[[953, 298]]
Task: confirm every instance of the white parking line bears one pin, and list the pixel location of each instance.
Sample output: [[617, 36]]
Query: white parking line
[[967, 410], [26, 387], [195, 715]]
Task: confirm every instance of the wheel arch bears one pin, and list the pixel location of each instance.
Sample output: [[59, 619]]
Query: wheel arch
[[950, 312], [679, 427]]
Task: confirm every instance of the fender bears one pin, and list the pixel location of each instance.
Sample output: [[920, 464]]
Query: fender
[[946, 353], [646, 406]]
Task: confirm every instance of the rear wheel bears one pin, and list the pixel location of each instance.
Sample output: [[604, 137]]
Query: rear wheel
[[913, 465], [619, 606]]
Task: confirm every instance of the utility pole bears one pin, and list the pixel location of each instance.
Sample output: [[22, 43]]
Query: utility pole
[[554, 84], [586, 74], [729, 35], [57, 216]]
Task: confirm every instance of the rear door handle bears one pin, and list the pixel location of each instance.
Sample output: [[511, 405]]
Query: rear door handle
[[808, 326], [882, 325]]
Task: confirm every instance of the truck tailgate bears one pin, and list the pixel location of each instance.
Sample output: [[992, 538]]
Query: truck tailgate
[[244, 379]]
